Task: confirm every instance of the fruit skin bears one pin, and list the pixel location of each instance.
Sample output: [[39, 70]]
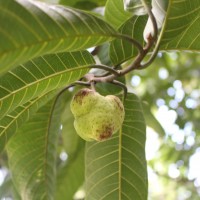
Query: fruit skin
[[97, 117]]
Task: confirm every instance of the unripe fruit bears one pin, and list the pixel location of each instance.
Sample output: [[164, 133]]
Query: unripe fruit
[[97, 117]]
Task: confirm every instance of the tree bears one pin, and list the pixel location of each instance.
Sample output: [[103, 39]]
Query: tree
[[46, 57]]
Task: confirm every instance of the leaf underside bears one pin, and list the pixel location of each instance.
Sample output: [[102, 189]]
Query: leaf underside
[[32, 154]]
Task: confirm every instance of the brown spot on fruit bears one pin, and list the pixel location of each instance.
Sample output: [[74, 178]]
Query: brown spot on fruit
[[81, 94], [108, 131]]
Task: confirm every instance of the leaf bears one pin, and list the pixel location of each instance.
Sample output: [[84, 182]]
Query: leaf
[[10, 123], [121, 50], [115, 13], [31, 28], [151, 121], [40, 76], [181, 29], [71, 175], [116, 168], [32, 154]]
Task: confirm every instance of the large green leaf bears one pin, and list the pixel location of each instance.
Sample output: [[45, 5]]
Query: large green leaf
[[32, 154], [31, 28], [121, 50], [181, 31], [116, 168], [11, 122], [40, 76]]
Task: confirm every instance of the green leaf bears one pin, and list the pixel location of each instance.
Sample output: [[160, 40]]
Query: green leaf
[[151, 121], [116, 168], [32, 154], [121, 50], [31, 28], [181, 29], [11, 122], [40, 76], [71, 175], [115, 13]]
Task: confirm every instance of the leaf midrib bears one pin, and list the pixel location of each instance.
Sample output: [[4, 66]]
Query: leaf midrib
[[40, 80], [4, 53]]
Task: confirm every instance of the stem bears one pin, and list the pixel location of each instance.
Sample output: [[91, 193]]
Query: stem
[[131, 40], [153, 19], [152, 39], [81, 83], [115, 82], [92, 85], [112, 73], [107, 73], [55, 101], [151, 59], [104, 67]]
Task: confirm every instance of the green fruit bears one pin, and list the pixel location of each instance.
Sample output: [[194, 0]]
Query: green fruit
[[97, 117]]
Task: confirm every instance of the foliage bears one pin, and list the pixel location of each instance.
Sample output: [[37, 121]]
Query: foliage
[[45, 55]]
